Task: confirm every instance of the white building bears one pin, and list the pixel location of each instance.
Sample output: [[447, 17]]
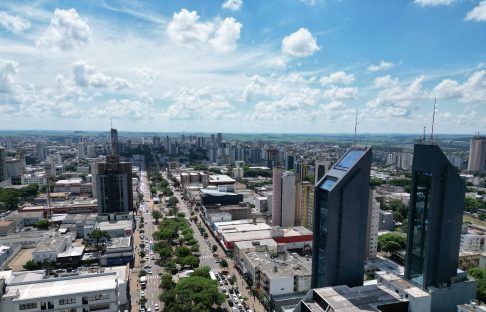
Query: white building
[[106, 292], [68, 186], [373, 227], [34, 178], [49, 248], [238, 172], [472, 242]]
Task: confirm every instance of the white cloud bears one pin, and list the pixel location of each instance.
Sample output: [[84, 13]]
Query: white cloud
[[13, 24], [8, 74], [189, 104], [233, 5], [383, 65], [472, 90], [300, 43], [478, 13], [85, 75], [337, 77], [340, 94], [424, 3], [147, 74], [395, 96], [185, 28], [125, 109], [66, 31], [309, 2], [227, 35]]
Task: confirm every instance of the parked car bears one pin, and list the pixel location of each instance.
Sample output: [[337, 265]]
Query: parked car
[[156, 307]]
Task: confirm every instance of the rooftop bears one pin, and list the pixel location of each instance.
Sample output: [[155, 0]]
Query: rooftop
[[50, 244], [221, 179]]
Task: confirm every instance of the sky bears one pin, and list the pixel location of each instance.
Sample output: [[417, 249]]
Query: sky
[[283, 66]]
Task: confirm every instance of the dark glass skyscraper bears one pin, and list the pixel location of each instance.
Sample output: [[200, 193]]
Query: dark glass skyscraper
[[340, 221], [435, 218]]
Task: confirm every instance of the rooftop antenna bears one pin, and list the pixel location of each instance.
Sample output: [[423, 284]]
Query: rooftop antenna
[[433, 121], [355, 127], [111, 122]]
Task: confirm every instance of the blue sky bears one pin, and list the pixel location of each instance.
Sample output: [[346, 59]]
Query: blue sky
[[244, 66]]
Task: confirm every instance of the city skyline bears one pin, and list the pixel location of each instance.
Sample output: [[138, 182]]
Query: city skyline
[[239, 66]]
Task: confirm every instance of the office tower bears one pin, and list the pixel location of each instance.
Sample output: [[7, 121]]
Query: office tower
[[340, 221], [283, 205], [14, 170], [322, 166], [289, 162], [82, 150], [300, 167], [219, 138], [276, 196], [373, 227], [114, 186], [156, 141], [304, 204], [271, 157], [3, 165], [42, 152], [435, 218], [114, 142], [434, 230], [477, 154]]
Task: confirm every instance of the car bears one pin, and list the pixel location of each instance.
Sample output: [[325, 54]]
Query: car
[[221, 283], [239, 305], [149, 272], [227, 295], [234, 309], [230, 303], [226, 282], [142, 293], [147, 266], [223, 289], [231, 291], [142, 309], [149, 310], [147, 257], [156, 307]]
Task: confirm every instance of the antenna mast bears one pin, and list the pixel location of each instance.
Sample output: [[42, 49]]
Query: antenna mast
[[355, 127], [433, 121]]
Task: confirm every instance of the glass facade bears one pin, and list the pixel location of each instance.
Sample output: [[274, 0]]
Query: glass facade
[[349, 160], [321, 232], [419, 224]]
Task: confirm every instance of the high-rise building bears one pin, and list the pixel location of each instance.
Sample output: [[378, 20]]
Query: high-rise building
[[304, 204], [14, 170], [3, 165], [300, 168], [114, 141], [435, 218], [373, 227], [42, 152], [156, 141], [283, 201], [114, 186], [477, 154], [322, 166], [340, 221], [434, 230]]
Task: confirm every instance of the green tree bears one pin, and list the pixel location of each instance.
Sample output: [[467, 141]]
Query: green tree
[[164, 250], [183, 251], [214, 248], [156, 215], [480, 275], [31, 265], [223, 263], [391, 242], [98, 239], [166, 282], [173, 201], [42, 224], [10, 197], [374, 181]]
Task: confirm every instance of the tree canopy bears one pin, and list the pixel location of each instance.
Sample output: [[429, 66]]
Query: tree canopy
[[391, 242]]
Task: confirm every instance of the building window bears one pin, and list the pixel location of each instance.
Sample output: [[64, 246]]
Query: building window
[[98, 307], [28, 306], [43, 305], [67, 301]]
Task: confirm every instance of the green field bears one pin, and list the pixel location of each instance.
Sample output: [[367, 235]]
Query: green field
[[474, 220]]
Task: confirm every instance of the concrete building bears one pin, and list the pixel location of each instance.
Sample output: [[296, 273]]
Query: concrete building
[[68, 186], [373, 227], [386, 222], [14, 170], [114, 186], [3, 165], [34, 178], [114, 142], [34, 291], [472, 242], [340, 221], [434, 230], [322, 166], [49, 248], [7, 227], [304, 206], [283, 207], [477, 154]]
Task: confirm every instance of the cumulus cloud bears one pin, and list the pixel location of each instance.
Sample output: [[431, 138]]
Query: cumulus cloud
[[85, 75], [300, 43], [340, 94], [66, 31], [186, 29], [383, 65], [337, 77], [8, 75], [198, 104], [13, 24], [471, 90], [125, 108], [233, 5], [397, 95], [227, 35], [477, 14], [147, 74], [260, 87], [424, 3]]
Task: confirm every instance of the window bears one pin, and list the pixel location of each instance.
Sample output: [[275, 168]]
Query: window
[[67, 301], [98, 307], [28, 306], [43, 305]]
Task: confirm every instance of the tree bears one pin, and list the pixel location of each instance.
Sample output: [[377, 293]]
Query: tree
[[156, 215], [214, 248], [164, 250], [232, 279], [166, 282], [10, 197], [391, 242], [223, 263], [31, 265], [183, 251], [374, 181], [173, 201], [42, 224], [480, 275], [99, 239]]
